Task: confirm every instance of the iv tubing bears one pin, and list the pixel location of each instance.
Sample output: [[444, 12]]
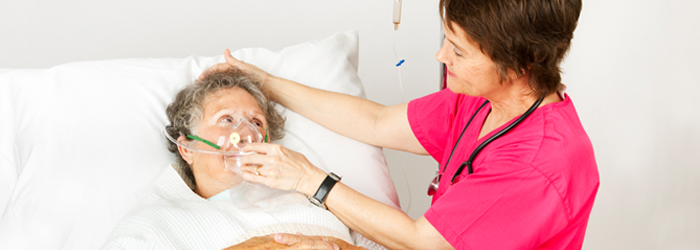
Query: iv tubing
[[403, 166]]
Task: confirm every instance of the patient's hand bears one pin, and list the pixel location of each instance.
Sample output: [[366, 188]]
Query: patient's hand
[[299, 241], [261, 242], [290, 241]]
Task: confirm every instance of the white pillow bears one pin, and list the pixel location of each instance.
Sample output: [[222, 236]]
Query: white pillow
[[81, 140]]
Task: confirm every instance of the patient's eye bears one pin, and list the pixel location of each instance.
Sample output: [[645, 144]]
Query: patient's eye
[[257, 122], [226, 119]]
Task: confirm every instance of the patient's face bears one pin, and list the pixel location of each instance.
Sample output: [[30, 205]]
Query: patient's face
[[219, 110]]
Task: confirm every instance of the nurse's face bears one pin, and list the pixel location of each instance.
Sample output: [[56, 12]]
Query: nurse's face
[[469, 71]]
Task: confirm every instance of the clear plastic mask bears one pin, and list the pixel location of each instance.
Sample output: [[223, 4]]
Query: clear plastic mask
[[226, 139]]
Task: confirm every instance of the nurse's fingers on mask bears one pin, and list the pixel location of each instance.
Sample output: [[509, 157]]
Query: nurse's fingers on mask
[[248, 168], [252, 177], [267, 179], [264, 148], [259, 159]]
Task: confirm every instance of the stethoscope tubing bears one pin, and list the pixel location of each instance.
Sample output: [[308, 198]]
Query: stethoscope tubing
[[468, 163]]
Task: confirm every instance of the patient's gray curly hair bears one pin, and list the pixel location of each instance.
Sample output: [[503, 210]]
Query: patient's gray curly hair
[[186, 111]]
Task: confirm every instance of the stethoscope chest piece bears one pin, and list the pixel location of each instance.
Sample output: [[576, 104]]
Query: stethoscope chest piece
[[432, 189]]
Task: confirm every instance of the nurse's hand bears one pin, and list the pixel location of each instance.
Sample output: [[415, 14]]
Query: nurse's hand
[[234, 63], [281, 168]]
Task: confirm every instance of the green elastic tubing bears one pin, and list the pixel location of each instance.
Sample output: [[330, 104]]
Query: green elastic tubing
[[266, 133], [194, 137]]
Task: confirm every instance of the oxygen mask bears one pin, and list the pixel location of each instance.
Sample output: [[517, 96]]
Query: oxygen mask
[[225, 141], [226, 138]]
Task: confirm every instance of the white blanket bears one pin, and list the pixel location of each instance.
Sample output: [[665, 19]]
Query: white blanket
[[171, 216]]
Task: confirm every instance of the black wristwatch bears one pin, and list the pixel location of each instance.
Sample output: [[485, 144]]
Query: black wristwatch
[[319, 198]]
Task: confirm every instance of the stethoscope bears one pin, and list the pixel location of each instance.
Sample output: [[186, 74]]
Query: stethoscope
[[438, 175]]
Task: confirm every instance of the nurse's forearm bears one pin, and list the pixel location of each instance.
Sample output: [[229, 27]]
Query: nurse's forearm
[[383, 224], [351, 116]]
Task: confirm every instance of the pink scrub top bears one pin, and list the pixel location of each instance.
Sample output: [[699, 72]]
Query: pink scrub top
[[532, 188]]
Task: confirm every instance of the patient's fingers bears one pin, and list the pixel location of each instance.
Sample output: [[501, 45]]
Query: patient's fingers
[[305, 242]]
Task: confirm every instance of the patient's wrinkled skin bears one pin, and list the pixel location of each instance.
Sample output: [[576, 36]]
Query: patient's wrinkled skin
[[290, 241], [219, 107]]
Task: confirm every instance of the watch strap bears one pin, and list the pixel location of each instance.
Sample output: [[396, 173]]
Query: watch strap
[[325, 188]]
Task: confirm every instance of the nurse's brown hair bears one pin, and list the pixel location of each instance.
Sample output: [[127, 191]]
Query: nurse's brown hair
[[526, 36]]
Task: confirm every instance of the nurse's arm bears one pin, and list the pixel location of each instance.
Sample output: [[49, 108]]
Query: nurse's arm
[[385, 225], [353, 117]]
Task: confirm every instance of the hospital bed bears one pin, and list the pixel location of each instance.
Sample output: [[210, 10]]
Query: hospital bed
[[80, 141]]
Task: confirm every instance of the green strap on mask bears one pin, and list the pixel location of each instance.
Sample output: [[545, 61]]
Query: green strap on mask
[[266, 133], [194, 137]]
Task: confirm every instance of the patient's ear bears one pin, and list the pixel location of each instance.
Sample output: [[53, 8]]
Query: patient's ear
[[184, 152]]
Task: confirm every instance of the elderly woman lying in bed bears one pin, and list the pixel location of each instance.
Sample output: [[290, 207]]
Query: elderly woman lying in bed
[[201, 202]]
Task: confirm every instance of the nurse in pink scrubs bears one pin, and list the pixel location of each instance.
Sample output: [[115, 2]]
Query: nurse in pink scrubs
[[517, 169]]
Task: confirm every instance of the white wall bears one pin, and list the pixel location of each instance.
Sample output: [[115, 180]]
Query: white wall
[[631, 74]]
